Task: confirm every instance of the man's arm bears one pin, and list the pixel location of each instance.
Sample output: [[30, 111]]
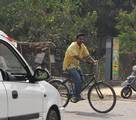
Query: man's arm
[[87, 59], [78, 58]]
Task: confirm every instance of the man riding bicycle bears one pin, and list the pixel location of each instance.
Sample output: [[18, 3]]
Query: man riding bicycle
[[76, 53]]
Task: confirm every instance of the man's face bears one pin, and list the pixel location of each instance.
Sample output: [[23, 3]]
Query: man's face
[[80, 40]]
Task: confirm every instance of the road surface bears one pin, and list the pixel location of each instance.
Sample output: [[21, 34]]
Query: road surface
[[124, 110]]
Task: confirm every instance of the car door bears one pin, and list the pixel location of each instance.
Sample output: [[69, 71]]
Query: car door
[[25, 100], [3, 100]]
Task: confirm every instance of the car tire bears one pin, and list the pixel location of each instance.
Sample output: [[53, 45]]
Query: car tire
[[52, 115]]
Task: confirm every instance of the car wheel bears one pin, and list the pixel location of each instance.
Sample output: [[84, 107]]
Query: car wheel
[[52, 115]]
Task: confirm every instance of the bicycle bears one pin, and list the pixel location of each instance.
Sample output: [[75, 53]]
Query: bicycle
[[101, 96]]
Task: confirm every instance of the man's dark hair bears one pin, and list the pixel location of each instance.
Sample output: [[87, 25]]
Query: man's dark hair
[[80, 34]]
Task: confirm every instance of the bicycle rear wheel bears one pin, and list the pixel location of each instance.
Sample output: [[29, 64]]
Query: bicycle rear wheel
[[102, 97], [63, 90]]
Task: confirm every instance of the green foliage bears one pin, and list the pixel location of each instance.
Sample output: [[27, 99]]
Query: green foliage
[[127, 28], [46, 20]]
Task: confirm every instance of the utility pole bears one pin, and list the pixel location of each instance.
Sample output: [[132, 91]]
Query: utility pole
[[108, 59]]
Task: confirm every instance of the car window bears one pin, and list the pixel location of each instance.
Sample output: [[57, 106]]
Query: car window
[[9, 62]]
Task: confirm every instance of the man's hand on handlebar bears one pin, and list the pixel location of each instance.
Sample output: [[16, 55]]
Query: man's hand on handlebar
[[92, 62], [87, 59]]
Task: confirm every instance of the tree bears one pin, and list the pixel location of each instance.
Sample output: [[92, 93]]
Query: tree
[[46, 20], [127, 31]]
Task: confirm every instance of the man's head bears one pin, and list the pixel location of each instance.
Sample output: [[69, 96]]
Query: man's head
[[80, 38]]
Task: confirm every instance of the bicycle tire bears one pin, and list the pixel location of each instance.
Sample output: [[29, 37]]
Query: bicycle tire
[[63, 90], [126, 92], [101, 93]]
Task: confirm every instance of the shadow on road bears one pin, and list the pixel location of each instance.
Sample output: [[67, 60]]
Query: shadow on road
[[97, 115]]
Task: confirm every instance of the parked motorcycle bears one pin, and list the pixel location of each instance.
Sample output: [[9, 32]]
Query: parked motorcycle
[[129, 84]]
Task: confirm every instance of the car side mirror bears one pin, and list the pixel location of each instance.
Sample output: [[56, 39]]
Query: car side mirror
[[41, 74]]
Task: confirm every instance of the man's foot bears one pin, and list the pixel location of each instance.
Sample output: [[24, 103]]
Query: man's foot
[[81, 98], [74, 99]]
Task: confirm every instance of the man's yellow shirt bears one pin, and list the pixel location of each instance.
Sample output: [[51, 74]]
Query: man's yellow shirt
[[74, 50]]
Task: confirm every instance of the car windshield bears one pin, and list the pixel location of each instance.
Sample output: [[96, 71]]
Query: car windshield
[[9, 62]]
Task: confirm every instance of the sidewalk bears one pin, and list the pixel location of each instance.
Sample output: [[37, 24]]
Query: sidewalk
[[116, 84], [117, 90]]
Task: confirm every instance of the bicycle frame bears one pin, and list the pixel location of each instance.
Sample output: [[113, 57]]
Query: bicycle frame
[[92, 79]]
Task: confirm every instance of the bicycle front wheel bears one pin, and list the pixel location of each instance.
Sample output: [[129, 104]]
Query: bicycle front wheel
[[102, 97], [63, 90]]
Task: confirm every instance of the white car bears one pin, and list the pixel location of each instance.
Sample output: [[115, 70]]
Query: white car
[[24, 93]]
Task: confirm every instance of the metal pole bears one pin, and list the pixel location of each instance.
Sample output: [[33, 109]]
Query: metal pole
[[108, 60], [49, 59]]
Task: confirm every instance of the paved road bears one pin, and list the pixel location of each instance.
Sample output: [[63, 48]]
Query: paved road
[[124, 110]]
